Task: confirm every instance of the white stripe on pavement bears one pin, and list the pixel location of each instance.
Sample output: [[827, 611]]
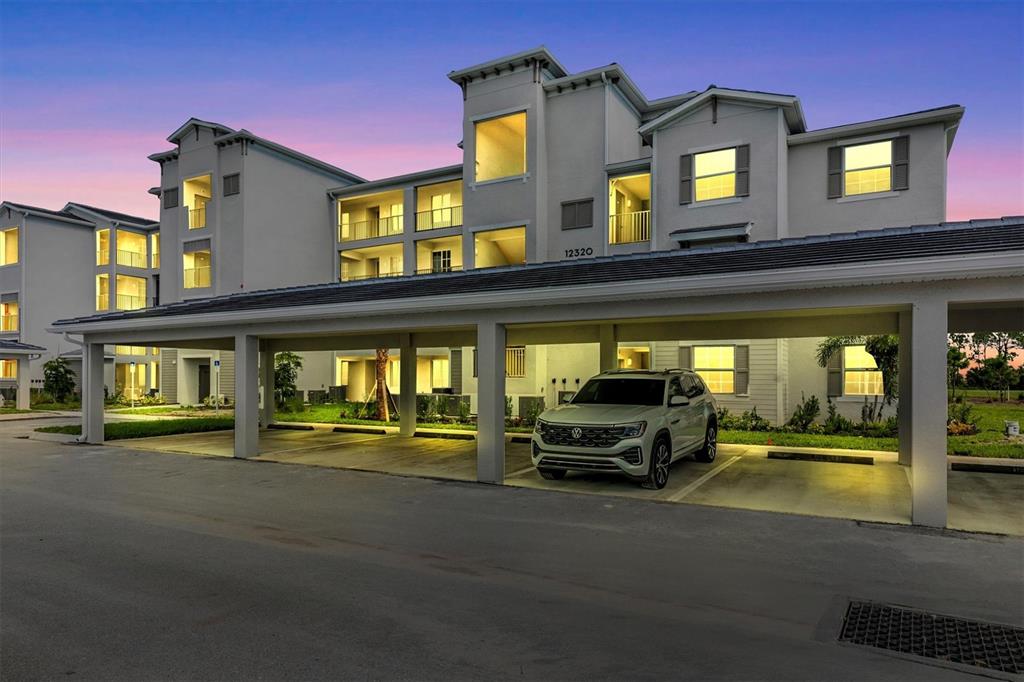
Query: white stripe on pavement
[[702, 480]]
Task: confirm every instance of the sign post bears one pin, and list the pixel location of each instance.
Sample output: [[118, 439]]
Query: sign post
[[131, 391], [216, 395]]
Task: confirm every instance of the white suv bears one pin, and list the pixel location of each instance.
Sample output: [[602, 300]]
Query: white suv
[[632, 422]]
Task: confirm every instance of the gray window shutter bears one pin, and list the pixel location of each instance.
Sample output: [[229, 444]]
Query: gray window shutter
[[741, 363], [455, 368], [835, 172], [835, 374], [901, 163], [171, 197], [585, 213], [686, 178], [232, 184], [743, 170], [568, 216], [685, 354]]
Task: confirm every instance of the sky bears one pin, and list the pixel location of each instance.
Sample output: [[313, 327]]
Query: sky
[[89, 90]]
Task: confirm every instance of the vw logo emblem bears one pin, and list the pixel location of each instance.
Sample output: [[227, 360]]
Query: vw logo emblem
[[577, 432]]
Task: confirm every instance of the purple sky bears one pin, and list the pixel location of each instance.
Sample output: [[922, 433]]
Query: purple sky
[[87, 91]]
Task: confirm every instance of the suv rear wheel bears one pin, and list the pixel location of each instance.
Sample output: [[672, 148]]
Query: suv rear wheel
[[661, 458], [710, 449]]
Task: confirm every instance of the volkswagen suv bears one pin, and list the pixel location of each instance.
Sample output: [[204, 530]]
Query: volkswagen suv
[[631, 422]]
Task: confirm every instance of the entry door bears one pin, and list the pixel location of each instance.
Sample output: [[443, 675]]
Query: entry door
[[204, 382], [373, 221]]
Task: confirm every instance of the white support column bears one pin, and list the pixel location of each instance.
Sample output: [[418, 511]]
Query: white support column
[[247, 430], [22, 402], [905, 388], [267, 379], [490, 421], [92, 393], [929, 325], [609, 348], [407, 388]]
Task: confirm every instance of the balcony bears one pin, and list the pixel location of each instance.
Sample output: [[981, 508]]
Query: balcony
[[197, 278], [439, 218], [197, 217], [102, 302], [441, 268], [369, 275], [371, 229], [129, 302], [132, 259], [625, 228], [370, 262]]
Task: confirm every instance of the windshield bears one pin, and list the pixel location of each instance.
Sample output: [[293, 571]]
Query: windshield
[[621, 392]]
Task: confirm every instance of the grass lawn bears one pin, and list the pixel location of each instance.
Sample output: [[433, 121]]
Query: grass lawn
[[331, 414], [142, 429], [12, 410], [50, 407], [806, 440], [176, 410]]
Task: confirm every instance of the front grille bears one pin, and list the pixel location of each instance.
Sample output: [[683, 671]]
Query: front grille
[[588, 436], [957, 640], [576, 464]]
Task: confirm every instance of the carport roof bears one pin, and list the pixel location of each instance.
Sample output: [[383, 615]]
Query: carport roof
[[905, 243]]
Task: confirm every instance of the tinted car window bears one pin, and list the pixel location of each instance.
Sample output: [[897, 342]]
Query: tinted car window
[[675, 388], [621, 392], [691, 387]]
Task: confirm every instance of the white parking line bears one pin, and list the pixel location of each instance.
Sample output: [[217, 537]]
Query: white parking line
[[519, 471], [702, 480]]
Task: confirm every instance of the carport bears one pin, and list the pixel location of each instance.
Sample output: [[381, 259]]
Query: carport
[[920, 283]]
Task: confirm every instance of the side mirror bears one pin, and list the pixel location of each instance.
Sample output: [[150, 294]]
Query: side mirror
[[678, 401], [567, 398]]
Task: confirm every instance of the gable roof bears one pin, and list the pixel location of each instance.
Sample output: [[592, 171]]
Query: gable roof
[[63, 216], [950, 114], [493, 66], [113, 216], [615, 74], [12, 347], [949, 240], [246, 136], [790, 106], [193, 122]]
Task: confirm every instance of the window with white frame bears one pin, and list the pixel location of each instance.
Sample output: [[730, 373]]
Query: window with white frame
[[867, 168], [861, 375], [716, 365], [9, 246], [715, 174]]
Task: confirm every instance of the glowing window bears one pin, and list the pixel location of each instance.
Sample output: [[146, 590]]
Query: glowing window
[[861, 375], [196, 266], [867, 168], [102, 247], [102, 292], [9, 246], [8, 369], [501, 147], [715, 174], [439, 373], [9, 316], [716, 365]]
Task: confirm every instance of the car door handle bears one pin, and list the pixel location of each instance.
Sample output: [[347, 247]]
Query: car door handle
[[675, 421]]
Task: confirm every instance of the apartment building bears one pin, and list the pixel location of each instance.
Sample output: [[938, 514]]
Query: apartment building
[[237, 213], [564, 166], [59, 262], [557, 166]]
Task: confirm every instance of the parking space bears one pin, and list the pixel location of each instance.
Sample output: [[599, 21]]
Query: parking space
[[741, 477]]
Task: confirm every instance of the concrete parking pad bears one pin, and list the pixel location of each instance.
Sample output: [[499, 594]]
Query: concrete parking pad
[[741, 477], [986, 502]]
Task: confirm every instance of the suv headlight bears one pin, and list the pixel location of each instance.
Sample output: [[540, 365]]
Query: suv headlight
[[633, 429], [539, 426]]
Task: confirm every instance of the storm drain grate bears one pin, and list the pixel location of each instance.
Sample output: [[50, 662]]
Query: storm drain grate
[[957, 640]]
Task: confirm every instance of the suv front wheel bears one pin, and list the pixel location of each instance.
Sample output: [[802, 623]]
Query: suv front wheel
[[661, 458]]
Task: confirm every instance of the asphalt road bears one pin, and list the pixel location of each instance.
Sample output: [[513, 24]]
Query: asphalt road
[[116, 564]]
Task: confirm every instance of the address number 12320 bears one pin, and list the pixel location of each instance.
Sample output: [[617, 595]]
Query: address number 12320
[[579, 253]]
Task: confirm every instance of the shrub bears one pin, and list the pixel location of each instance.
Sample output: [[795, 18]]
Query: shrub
[[58, 379], [960, 420], [141, 401], [752, 421], [286, 373], [836, 423], [805, 413]]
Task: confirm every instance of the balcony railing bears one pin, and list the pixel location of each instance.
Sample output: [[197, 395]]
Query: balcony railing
[[371, 229], [624, 228], [129, 302], [353, 278], [434, 271], [9, 323], [438, 218], [132, 259], [197, 218], [102, 256], [197, 278], [102, 302]]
